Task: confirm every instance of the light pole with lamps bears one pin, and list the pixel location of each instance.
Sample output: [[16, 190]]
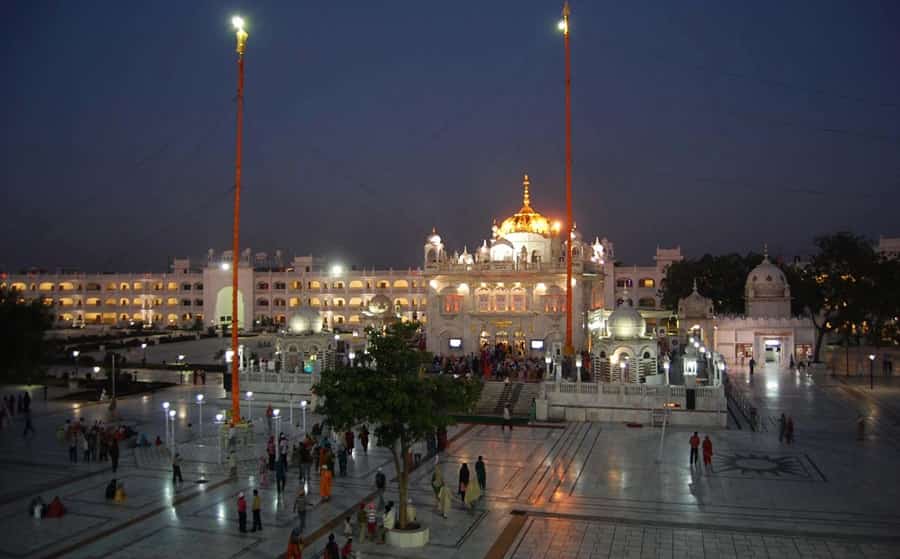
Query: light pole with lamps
[[351, 356], [144, 353], [871, 371], [249, 396], [75, 354], [623, 365], [666, 366], [303, 405], [200, 404], [578, 364], [166, 406], [241, 35], [219, 418], [548, 360], [276, 413], [172, 414]]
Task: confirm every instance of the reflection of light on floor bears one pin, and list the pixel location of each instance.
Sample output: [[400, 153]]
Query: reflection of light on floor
[[772, 385]]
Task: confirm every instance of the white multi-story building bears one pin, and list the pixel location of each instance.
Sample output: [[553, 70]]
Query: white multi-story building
[[510, 289]]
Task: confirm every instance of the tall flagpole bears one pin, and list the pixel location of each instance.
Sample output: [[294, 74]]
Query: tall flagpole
[[569, 348], [235, 256]]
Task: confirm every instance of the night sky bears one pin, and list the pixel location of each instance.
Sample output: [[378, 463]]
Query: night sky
[[715, 125]]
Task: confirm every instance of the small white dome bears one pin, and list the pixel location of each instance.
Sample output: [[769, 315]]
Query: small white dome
[[305, 321], [379, 305], [766, 280], [695, 305], [626, 323]]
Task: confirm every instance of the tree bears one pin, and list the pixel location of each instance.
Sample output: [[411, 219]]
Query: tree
[[389, 390], [835, 289], [721, 278], [22, 344]]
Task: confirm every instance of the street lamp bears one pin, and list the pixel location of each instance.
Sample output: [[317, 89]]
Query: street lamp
[[351, 355], [75, 354], [172, 414], [578, 364], [144, 356], [241, 36], [277, 414], [623, 365], [548, 360], [666, 366], [219, 418], [303, 405], [249, 396], [165, 406], [200, 403], [871, 371]]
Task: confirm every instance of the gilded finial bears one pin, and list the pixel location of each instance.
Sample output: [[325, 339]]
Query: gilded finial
[[526, 193], [765, 251]]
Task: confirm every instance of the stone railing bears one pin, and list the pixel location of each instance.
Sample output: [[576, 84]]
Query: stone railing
[[643, 396]]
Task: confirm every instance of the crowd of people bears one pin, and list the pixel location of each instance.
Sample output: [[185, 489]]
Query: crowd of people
[[13, 405], [99, 442], [501, 362]]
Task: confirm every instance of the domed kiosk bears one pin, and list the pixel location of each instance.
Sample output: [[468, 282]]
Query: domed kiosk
[[624, 353]]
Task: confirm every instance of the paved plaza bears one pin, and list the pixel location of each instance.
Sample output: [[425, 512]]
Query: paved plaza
[[553, 490]]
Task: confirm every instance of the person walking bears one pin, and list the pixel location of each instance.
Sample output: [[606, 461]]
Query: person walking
[[349, 441], [707, 453], [463, 481], [507, 419], [72, 438], [270, 414], [306, 460], [371, 520], [176, 469], [242, 512], [380, 483], [752, 364], [342, 461], [29, 426], [295, 547], [325, 477], [364, 439], [473, 493], [331, 549], [280, 476], [782, 426], [695, 443], [481, 474], [789, 430], [300, 508], [270, 451], [257, 512]]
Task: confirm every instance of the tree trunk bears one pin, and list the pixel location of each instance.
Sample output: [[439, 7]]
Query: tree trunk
[[403, 479]]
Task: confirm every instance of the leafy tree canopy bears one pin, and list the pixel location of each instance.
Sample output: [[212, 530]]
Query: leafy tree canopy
[[721, 278], [389, 391], [22, 344]]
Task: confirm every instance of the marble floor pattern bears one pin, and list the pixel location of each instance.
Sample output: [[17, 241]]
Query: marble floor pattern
[[578, 489]]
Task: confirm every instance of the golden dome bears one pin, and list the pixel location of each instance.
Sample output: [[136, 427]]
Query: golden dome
[[526, 220]]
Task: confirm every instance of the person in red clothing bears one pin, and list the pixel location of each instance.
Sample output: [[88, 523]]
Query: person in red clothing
[[707, 453], [347, 550], [295, 547], [242, 512], [695, 444]]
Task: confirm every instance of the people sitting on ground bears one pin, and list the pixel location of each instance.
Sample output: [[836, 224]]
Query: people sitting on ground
[[111, 489], [120, 493], [55, 509]]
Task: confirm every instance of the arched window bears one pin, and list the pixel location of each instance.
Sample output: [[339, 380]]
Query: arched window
[[647, 302], [624, 282], [648, 283], [262, 285]]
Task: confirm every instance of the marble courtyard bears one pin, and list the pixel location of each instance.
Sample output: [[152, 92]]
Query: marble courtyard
[[553, 489]]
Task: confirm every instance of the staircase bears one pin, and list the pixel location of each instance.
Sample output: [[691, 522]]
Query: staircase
[[496, 395]]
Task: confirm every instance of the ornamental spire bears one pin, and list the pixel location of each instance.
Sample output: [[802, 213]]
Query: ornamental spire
[[526, 193]]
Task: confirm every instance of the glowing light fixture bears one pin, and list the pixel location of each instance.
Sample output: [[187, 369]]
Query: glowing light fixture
[[224, 266]]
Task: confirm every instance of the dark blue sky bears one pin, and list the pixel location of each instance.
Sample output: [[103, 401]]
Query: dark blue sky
[[714, 125]]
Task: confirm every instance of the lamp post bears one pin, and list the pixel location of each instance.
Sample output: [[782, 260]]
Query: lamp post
[[666, 366], [249, 395], [351, 356], [578, 364], [172, 414], [871, 371], [200, 404], [241, 35], [623, 365], [548, 360], [303, 405], [75, 354], [277, 414], [144, 353], [166, 406], [219, 418], [564, 27]]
